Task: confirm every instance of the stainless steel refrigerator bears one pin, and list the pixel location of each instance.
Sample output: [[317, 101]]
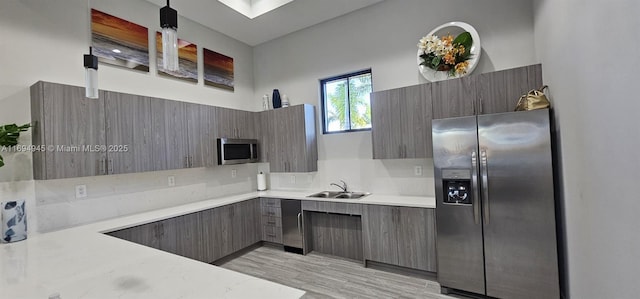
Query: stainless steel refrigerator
[[495, 210]]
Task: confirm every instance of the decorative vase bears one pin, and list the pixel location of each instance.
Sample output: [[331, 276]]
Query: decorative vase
[[14, 221], [265, 102], [277, 102]]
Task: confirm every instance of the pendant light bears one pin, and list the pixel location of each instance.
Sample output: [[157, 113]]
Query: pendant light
[[91, 75], [90, 67], [169, 24]]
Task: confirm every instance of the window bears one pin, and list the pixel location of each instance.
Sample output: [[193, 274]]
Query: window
[[345, 102]]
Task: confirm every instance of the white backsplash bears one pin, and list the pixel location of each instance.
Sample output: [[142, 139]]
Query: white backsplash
[[52, 204], [119, 195], [395, 177]]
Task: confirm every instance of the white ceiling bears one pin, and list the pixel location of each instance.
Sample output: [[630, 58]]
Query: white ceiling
[[293, 16]]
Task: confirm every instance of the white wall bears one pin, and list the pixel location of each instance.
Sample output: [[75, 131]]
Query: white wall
[[383, 37], [589, 52], [45, 40]]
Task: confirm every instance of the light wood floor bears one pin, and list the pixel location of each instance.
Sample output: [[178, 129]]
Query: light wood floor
[[324, 276]]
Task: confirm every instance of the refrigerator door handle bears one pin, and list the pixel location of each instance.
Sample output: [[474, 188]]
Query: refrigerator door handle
[[474, 187], [300, 223], [485, 186]]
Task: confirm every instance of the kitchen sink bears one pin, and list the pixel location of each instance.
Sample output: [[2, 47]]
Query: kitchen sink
[[326, 194], [340, 194]]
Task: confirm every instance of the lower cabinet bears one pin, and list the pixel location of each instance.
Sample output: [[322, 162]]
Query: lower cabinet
[[271, 220], [204, 236], [245, 224], [335, 234], [400, 236]]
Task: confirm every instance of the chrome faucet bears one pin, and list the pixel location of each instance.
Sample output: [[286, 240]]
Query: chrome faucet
[[343, 187]]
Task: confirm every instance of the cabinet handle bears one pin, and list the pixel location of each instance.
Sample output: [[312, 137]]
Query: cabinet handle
[[186, 162], [190, 160], [271, 235], [271, 213], [110, 167], [100, 166], [271, 222]]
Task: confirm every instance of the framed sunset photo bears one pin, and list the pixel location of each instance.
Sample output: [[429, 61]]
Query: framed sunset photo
[[218, 70], [119, 42]]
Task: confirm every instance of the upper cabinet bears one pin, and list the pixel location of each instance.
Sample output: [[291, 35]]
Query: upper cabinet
[[288, 139], [493, 92], [401, 122], [454, 97], [231, 123], [128, 122], [500, 91], [401, 118], [71, 127], [123, 133]]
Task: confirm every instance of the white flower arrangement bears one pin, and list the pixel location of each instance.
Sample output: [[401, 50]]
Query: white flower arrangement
[[446, 53]]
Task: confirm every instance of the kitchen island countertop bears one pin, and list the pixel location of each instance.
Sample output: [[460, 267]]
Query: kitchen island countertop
[[82, 262]]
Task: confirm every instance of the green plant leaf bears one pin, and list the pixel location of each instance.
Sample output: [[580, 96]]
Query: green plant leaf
[[465, 40], [435, 62], [9, 135]]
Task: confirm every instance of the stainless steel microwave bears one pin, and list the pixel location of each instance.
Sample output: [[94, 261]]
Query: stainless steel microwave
[[237, 151]]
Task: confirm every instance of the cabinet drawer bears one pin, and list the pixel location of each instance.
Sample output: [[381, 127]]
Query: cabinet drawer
[[271, 221], [271, 211], [332, 207], [270, 202], [272, 234]]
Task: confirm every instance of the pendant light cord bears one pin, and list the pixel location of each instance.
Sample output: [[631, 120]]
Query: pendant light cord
[[90, 25]]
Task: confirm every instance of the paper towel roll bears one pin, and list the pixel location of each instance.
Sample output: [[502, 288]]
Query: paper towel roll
[[14, 221], [262, 182]]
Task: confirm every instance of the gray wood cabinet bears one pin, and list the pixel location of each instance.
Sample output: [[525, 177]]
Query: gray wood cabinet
[[400, 236], [332, 207], [401, 122], [231, 123], [200, 135], [493, 92], [190, 236], [288, 139], [170, 134], [336, 234], [247, 228], [417, 238], [128, 124], [380, 234], [138, 134], [66, 122], [499, 91], [454, 97], [204, 236], [401, 118], [159, 235], [271, 219]]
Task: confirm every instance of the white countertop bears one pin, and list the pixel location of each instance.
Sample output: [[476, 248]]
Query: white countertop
[[81, 262]]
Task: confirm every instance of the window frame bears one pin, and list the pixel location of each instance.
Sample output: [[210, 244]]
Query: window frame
[[322, 99]]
